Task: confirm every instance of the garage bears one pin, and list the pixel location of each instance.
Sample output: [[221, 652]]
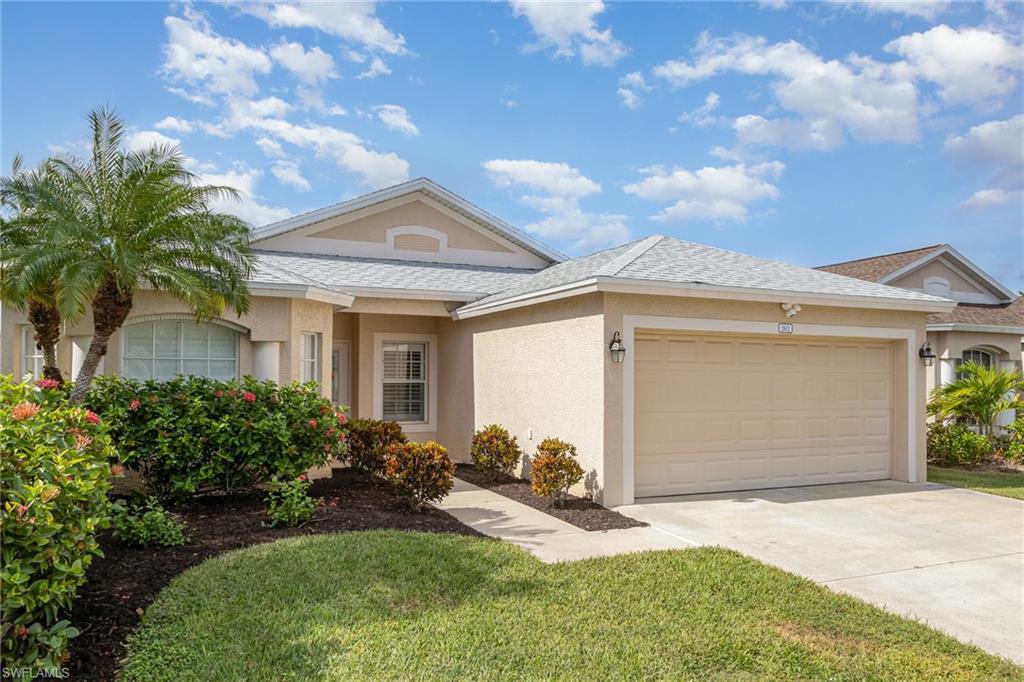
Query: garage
[[719, 412]]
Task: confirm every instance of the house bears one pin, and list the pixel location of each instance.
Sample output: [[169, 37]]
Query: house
[[414, 305], [987, 325]]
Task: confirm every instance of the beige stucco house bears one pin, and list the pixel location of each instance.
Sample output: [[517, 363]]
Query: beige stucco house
[[414, 305], [987, 325]]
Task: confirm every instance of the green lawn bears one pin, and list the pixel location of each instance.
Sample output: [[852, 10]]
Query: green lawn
[[994, 482], [402, 606]]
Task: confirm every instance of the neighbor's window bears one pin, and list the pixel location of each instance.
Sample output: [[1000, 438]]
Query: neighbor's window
[[405, 381], [310, 360], [31, 357], [163, 349]]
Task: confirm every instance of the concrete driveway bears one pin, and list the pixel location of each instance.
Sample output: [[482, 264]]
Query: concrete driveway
[[952, 558]]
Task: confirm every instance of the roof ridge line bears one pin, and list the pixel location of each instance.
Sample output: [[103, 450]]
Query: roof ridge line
[[617, 264]]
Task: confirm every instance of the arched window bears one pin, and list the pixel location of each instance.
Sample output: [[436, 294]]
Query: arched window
[[979, 357], [162, 349]]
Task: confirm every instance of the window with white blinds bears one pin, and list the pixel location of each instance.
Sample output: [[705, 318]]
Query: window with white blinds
[[165, 348], [310, 359], [31, 356], [404, 375]]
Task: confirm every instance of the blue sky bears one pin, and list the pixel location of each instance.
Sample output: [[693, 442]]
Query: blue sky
[[811, 133]]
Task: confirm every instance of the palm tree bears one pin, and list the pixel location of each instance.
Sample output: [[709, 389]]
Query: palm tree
[[978, 395], [122, 220], [37, 291]]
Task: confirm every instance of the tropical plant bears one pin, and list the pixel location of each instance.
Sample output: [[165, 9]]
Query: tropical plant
[[368, 443], [36, 292], [554, 470], [124, 219], [146, 524], [494, 452], [289, 503], [956, 444], [977, 396], [419, 472]]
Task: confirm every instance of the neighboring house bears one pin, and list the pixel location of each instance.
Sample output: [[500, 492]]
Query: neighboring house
[[414, 305], [987, 325]]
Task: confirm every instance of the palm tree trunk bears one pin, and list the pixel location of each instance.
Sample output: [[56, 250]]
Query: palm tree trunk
[[46, 322], [110, 308]]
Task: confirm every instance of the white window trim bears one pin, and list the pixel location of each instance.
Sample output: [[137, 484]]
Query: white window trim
[[630, 323], [317, 352], [153, 319], [29, 353], [378, 377]]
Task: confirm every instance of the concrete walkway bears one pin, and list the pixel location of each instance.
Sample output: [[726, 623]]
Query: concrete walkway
[[549, 539]]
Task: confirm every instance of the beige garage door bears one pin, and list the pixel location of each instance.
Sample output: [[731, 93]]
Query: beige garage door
[[718, 413]]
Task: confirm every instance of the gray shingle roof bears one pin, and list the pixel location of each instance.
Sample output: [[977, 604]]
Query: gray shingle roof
[[666, 259], [346, 273]]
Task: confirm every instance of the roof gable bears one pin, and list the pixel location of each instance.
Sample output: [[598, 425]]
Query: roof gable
[[875, 268]]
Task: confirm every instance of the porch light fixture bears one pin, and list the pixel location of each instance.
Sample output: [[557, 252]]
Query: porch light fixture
[[617, 350], [926, 354]]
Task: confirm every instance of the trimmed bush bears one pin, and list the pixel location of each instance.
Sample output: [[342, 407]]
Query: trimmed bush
[[554, 470], [368, 443], [289, 503], [494, 452], [419, 472], [1015, 448], [956, 444], [146, 525], [54, 477], [194, 435]]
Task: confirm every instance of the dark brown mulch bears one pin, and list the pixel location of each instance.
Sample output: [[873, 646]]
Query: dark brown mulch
[[127, 579], [578, 511]]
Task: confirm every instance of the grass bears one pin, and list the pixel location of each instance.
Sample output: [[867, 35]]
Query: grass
[[993, 482], [401, 605]]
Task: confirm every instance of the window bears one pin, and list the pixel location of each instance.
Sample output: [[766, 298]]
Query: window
[[310, 359], [31, 357], [404, 376], [165, 348], [978, 357]]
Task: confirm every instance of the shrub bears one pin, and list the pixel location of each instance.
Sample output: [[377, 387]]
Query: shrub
[[419, 472], [554, 470], [289, 503], [956, 444], [192, 434], [1015, 448], [494, 452], [147, 525], [54, 477], [369, 441]]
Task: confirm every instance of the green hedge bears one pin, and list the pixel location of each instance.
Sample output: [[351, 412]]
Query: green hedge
[[956, 444], [54, 477], [192, 434]]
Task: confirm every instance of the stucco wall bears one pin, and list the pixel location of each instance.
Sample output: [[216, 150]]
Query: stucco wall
[[618, 305], [308, 317], [936, 268]]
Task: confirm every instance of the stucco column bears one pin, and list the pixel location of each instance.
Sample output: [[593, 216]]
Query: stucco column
[[79, 346], [948, 371], [267, 360]]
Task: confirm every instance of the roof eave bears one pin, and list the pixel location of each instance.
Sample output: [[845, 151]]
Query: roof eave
[[968, 327], [303, 291], [941, 251]]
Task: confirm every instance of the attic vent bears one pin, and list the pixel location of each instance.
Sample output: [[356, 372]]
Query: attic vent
[[416, 242]]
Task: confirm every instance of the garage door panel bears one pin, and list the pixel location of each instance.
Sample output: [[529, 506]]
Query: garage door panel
[[730, 413]]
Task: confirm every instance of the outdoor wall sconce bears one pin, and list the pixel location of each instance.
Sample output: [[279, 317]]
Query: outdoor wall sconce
[[617, 350], [926, 354], [791, 309]]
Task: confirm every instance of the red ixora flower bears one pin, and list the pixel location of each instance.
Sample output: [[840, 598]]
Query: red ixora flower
[[342, 418], [303, 477], [22, 509], [47, 383], [134, 404], [116, 469], [312, 422], [218, 393], [249, 397], [92, 417], [23, 411]]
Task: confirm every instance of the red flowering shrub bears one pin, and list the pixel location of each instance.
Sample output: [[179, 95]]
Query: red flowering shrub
[[419, 472], [54, 476], [193, 434], [368, 443], [554, 470], [495, 452]]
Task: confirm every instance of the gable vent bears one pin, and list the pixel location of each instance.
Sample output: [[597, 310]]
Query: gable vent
[[416, 242]]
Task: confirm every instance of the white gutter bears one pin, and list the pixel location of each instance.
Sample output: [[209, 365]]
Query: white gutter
[[305, 291], [967, 327]]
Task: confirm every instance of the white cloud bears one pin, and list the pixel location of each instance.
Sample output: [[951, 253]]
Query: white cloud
[[396, 117], [197, 56], [821, 134], [177, 125], [143, 139], [996, 149], [558, 189], [570, 29], [289, 173], [271, 148], [969, 65], [773, 4], [701, 117], [354, 22], [631, 87], [248, 208], [865, 99], [922, 9], [309, 66], [377, 68], [710, 193]]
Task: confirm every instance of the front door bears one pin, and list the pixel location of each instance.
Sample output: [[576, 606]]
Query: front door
[[340, 378]]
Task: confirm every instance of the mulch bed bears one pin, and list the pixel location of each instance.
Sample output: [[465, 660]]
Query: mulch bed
[[124, 582], [578, 511]]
